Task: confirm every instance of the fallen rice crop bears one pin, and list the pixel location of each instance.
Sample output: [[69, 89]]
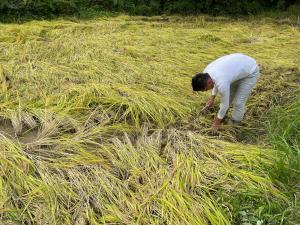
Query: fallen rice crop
[[99, 124]]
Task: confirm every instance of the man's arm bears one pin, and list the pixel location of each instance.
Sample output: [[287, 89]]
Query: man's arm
[[214, 91], [224, 105], [225, 95]]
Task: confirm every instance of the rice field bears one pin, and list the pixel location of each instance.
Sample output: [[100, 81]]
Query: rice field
[[99, 123]]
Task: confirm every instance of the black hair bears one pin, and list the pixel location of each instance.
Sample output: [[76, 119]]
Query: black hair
[[199, 81]]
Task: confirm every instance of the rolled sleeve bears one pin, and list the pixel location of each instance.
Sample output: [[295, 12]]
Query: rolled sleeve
[[224, 105]]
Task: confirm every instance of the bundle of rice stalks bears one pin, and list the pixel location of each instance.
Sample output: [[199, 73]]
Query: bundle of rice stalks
[[170, 177]]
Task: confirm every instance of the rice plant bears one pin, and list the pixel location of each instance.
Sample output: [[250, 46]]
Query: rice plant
[[99, 124]]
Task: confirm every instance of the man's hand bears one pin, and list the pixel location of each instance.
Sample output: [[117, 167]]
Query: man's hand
[[216, 125], [209, 103]]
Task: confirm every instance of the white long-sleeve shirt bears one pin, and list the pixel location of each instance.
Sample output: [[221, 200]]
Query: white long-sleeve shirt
[[226, 70]]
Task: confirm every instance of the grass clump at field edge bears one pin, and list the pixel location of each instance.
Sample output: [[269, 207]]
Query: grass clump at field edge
[[100, 124]]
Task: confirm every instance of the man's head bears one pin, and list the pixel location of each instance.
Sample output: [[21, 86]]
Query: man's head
[[202, 82]]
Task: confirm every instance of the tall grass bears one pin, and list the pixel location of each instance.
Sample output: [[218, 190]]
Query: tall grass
[[285, 136], [284, 133]]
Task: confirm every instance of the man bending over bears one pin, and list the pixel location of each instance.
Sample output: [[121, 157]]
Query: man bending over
[[233, 77]]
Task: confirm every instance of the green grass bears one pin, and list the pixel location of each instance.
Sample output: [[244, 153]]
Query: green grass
[[285, 136], [100, 125]]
